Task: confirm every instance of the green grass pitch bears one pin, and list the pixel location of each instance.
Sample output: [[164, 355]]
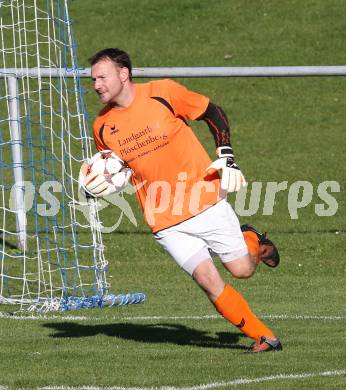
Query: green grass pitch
[[284, 130]]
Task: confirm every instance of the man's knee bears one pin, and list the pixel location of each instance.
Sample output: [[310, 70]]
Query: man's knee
[[242, 268], [208, 278]]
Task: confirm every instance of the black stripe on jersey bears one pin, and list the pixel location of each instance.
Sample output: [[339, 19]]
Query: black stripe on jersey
[[101, 136], [164, 102]]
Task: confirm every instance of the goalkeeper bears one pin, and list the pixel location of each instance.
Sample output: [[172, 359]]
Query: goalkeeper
[[182, 192]]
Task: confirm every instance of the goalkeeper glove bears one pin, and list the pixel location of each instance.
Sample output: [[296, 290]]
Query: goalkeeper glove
[[231, 179], [101, 185], [97, 185]]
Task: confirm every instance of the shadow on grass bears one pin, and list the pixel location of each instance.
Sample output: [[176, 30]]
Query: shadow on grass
[[152, 333]]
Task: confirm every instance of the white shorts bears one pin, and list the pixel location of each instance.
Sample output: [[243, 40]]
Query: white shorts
[[214, 231]]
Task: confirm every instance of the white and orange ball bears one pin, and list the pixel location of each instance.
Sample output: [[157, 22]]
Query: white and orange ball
[[104, 174]]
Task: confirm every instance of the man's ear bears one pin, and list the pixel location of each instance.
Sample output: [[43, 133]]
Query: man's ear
[[124, 74]]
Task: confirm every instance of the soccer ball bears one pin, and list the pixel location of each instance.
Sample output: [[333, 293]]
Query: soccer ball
[[106, 163], [105, 173]]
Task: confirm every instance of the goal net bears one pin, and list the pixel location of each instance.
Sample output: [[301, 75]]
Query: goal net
[[51, 250]]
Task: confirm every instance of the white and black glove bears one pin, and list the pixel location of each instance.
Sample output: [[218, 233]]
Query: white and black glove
[[100, 186], [95, 185], [232, 180]]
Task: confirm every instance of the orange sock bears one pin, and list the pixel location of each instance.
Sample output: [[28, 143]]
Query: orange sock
[[232, 306], [252, 244]]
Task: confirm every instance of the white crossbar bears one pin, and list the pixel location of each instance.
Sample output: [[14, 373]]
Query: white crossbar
[[219, 71]]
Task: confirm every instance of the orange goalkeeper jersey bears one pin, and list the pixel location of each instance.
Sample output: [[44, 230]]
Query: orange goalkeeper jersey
[[167, 159]]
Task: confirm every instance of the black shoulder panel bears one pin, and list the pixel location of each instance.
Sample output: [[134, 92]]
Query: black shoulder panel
[[101, 135], [164, 102]]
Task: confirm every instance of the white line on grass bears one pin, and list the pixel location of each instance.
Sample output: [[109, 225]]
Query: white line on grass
[[215, 385], [217, 317], [65, 317]]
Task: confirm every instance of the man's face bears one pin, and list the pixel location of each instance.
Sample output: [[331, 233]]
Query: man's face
[[108, 80]]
